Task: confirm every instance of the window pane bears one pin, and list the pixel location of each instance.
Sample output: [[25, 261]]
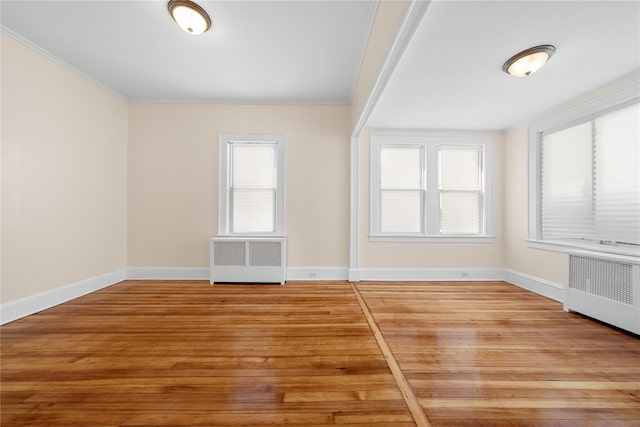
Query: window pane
[[617, 154], [459, 212], [253, 165], [252, 211], [566, 184], [400, 167], [400, 211], [459, 168]]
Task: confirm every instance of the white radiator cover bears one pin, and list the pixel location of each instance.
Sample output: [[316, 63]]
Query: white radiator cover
[[605, 287], [247, 260]]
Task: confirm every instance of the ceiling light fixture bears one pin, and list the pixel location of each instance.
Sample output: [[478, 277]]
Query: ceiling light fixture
[[189, 16], [528, 61]]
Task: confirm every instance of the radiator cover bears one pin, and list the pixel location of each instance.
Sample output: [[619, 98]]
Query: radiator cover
[[605, 287], [247, 260]]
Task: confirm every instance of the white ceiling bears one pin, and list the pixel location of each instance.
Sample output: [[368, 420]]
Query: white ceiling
[[256, 51], [450, 76]]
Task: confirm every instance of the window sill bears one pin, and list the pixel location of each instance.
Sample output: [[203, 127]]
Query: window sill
[[250, 236], [431, 239], [564, 247]]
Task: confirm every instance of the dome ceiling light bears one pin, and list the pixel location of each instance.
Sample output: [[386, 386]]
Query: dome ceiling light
[[189, 16], [528, 61]]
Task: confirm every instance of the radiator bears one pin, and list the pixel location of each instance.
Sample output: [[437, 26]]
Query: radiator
[[247, 260], [605, 287]]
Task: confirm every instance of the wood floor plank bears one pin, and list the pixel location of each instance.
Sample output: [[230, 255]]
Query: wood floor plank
[[490, 354], [412, 402], [187, 353]]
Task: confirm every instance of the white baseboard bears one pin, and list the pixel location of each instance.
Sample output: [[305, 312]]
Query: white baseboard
[[202, 273], [332, 273], [317, 273], [22, 307], [546, 288], [430, 274], [17, 309], [168, 273]]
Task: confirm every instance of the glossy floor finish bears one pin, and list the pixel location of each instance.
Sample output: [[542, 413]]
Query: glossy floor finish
[[190, 354], [491, 354]]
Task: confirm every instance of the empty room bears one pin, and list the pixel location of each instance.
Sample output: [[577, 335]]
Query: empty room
[[384, 213]]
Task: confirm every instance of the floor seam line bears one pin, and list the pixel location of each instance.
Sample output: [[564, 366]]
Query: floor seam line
[[411, 400]]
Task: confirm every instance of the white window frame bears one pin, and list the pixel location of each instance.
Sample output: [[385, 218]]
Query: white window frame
[[431, 202], [224, 219], [587, 111]]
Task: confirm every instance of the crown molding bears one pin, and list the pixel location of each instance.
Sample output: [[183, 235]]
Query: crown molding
[[28, 43]]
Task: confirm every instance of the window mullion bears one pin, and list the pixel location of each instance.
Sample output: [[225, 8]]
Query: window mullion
[[594, 182], [432, 208]]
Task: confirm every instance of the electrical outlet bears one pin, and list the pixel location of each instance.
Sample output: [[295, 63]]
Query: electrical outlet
[[465, 274], [313, 275]]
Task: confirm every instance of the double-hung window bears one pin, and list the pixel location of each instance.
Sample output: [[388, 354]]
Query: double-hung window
[[430, 188], [401, 193], [585, 176], [251, 185]]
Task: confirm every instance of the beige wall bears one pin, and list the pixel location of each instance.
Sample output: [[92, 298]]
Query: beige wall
[[519, 256], [173, 180], [91, 184], [385, 25], [63, 175], [430, 255]]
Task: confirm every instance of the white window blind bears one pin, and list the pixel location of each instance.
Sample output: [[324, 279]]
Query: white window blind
[[617, 171], [401, 189], [253, 187], [460, 190], [566, 183], [590, 179], [430, 187], [251, 184]]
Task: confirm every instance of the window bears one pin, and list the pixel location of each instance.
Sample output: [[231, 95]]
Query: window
[[251, 185], [460, 189], [585, 176], [427, 188], [401, 189]]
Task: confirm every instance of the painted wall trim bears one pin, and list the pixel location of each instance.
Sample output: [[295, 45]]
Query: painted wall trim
[[202, 273], [374, 10], [317, 273], [354, 207], [14, 310], [546, 288], [413, 15], [62, 63], [22, 307], [431, 274], [168, 273]]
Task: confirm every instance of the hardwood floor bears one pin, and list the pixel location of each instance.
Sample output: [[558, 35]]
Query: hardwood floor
[[303, 354], [187, 353], [491, 354]]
